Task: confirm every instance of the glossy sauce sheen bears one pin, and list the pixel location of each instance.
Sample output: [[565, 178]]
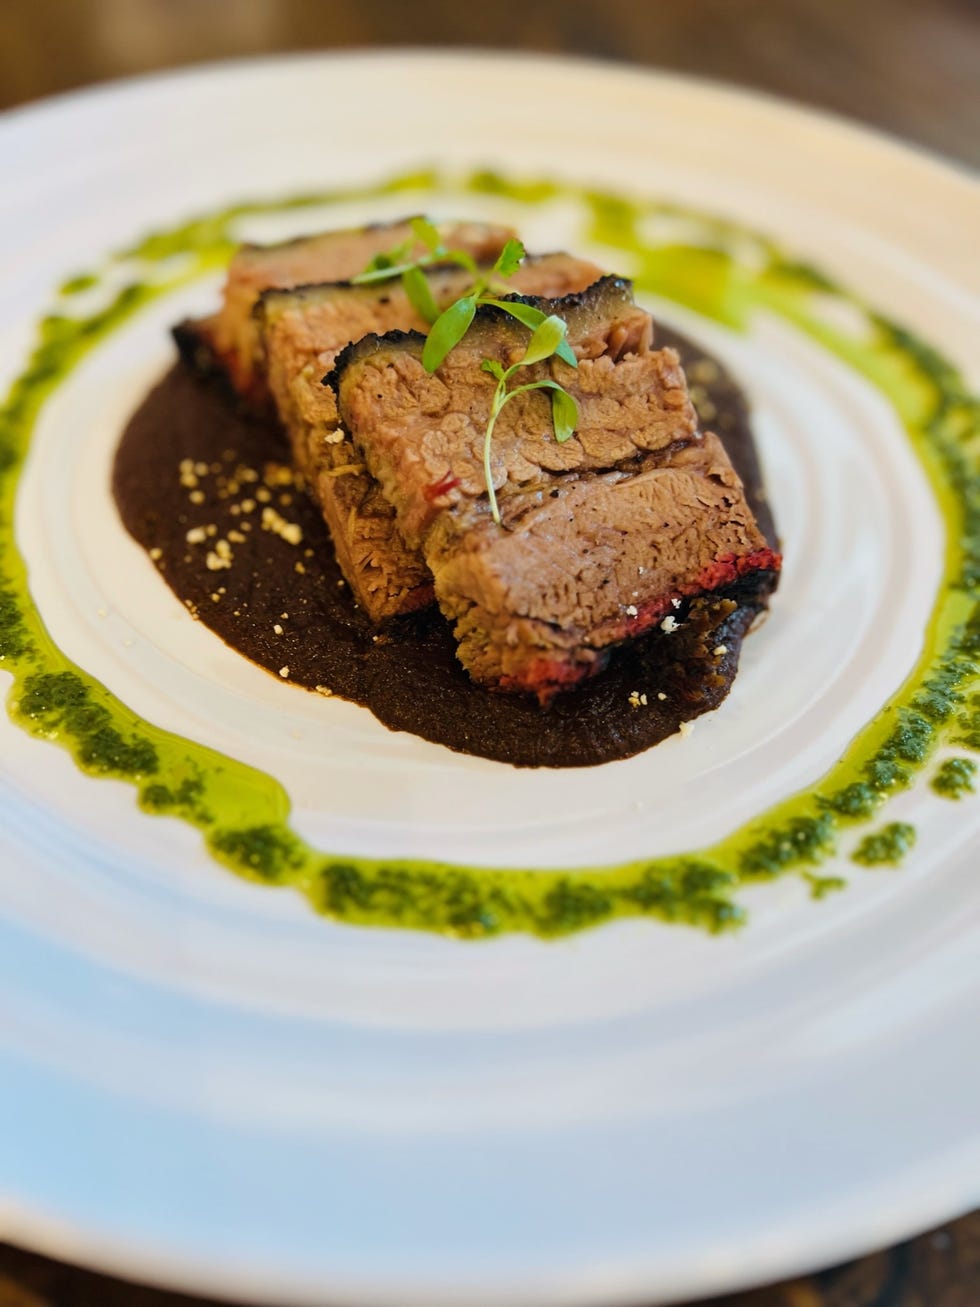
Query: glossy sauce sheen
[[300, 620]]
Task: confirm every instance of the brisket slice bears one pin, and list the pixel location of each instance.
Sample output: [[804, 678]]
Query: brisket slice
[[603, 537], [301, 331], [227, 342]]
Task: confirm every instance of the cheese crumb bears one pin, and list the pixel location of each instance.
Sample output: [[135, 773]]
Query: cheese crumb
[[720, 649], [196, 496], [661, 695], [703, 370], [156, 552], [631, 610], [278, 474], [686, 728], [196, 535], [273, 521], [669, 624], [283, 672], [324, 690], [214, 562], [278, 629]]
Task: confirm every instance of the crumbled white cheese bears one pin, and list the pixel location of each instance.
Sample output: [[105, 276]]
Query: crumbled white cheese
[[273, 521], [283, 672], [669, 624], [686, 728], [631, 610], [720, 649]]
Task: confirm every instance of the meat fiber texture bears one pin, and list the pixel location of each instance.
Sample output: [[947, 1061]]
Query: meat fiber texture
[[228, 341], [603, 537], [302, 330]]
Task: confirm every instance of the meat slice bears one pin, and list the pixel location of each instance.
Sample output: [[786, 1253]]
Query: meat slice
[[228, 341], [603, 537], [302, 330]]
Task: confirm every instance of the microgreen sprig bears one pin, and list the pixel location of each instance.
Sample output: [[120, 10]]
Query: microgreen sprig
[[397, 262], [451, 325], [546, 342], [549, 332]]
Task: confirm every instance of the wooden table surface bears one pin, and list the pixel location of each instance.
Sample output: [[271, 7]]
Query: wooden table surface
[[911, 67]]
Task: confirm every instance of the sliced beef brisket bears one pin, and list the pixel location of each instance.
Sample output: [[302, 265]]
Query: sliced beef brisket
[[603, 536], [228, 341], [302, 331]]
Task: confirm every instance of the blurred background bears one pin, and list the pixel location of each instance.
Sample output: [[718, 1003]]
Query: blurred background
[[911, 67]]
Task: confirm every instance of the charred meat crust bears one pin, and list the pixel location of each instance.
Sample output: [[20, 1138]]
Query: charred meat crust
[[359, 350], [604, 295]]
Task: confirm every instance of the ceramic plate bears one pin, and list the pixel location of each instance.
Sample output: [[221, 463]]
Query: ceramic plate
[[203, 1081]]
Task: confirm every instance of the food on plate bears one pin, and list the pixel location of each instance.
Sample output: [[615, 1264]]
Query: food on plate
[[228, 341], [301, 331], [511, 435], [601, 536]]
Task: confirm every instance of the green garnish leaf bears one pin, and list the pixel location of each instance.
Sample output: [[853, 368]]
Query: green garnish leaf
[[564, 414], [510, 258], [547, 337], [427, 233], [526, 313], [420, 295], [532, 317], [494, 368], [384, 272], [447, 331], [566, 354]]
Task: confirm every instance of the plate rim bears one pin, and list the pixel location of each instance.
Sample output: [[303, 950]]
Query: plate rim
[[46, 1232]]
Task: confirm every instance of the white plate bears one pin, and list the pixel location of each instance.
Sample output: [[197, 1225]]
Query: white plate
[[203, 1082]]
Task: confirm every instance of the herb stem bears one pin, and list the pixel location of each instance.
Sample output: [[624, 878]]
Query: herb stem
[[499, 399]]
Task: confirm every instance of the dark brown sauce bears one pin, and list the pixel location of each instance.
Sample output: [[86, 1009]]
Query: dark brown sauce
[[408, 675]]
